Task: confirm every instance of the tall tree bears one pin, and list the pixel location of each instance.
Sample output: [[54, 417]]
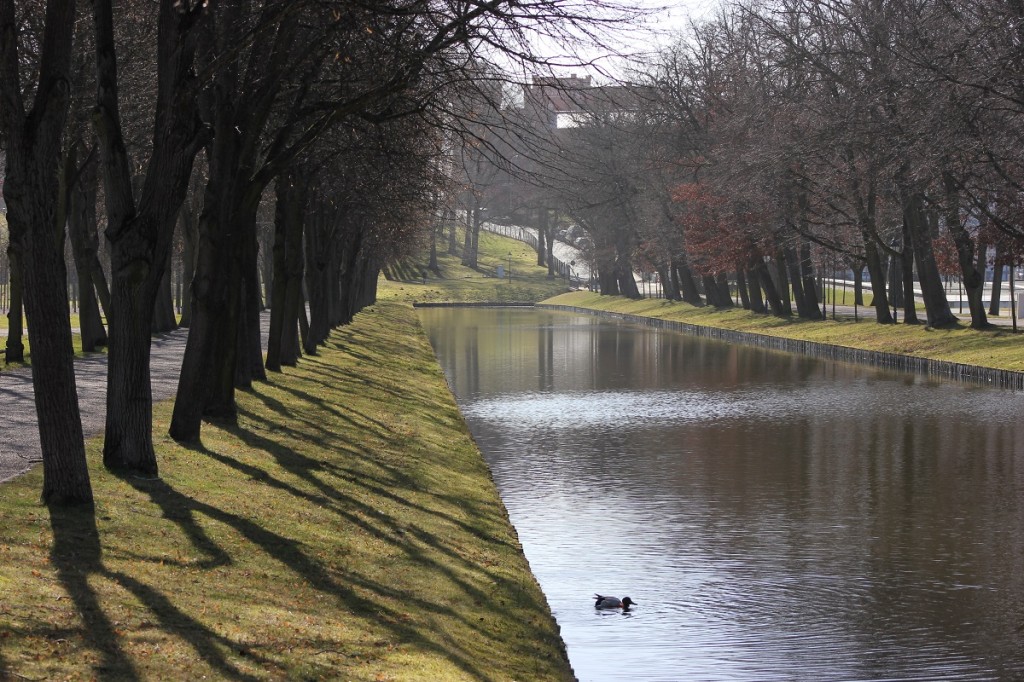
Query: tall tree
[[140, 229], [36, 215]]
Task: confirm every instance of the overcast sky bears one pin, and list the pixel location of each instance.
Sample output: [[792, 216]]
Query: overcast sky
[[667, 20]]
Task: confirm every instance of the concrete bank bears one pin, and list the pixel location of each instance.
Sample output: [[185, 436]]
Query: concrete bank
[[971, 374]]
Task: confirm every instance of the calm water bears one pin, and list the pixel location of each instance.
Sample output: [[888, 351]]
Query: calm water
[[775, 517]]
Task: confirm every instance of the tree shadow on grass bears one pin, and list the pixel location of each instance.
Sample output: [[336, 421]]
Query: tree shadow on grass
[[303, 467], [77, 555], [291, 554], [356, 512]]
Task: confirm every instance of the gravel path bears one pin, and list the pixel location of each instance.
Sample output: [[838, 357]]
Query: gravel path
[[19, 430]]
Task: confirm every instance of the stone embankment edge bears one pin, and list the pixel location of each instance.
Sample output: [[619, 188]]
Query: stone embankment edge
[[476, 304], [971, 374]]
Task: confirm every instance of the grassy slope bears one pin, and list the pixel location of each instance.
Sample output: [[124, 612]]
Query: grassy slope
[[456, 283], [999, 348], [347, 528]]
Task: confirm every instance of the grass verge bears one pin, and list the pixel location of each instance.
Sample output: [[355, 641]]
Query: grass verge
[[347, 528], [999, 348], [455, 283]]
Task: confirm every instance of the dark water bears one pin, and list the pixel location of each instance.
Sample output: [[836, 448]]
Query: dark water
[[775, 517]]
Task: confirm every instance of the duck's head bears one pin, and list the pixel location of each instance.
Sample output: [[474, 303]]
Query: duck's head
[[627, 602]]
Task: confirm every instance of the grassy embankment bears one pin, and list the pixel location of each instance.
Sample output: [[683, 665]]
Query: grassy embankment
[[456, 283], [347, 528], [999, 348]]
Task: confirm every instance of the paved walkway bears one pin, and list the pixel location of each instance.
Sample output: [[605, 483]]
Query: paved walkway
[[19, 430]]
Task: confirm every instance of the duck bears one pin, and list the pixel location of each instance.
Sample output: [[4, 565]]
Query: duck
[[613, 602]]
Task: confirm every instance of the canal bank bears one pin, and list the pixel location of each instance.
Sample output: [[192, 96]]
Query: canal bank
[[346, 528], [991, 358]]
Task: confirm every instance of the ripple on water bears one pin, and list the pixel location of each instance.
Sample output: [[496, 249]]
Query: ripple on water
[[835, 525]]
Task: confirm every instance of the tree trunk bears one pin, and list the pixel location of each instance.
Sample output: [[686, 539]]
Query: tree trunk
[[432, 263], [711, 292], [141, 236], [935, 303], [164, 319], [997, 280], [469, 250], [288, 217], [542, 233], [741, 284], [668, 284], [15, 348], [687, 284], [294, 302], [973, 280], [318, 255], [82, 231], [793, 264], [722, 284], [453, 242], [810, 289], [216, 292], [783, 282], [627, 283], [880, 297], [36, 216], [771, 292], [907, 271], [754, 292]]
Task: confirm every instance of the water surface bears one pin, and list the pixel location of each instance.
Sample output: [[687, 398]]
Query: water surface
[[775, 517]]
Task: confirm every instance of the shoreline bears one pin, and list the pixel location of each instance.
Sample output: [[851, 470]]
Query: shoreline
[[922, 366]]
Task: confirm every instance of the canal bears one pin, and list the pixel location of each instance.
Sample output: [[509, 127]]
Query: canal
[[773, 516]]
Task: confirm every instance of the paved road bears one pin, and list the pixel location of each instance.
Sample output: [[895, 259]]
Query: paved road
[[19, 430]]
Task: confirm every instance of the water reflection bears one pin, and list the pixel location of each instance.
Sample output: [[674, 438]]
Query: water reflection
[[775, 517]]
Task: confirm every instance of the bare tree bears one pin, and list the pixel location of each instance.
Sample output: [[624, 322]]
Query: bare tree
[[36, 216]]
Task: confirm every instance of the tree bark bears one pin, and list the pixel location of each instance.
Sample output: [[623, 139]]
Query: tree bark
[[711, 292], [141, 235], [973, 280], [15, 348], [722, 284], [668, 284], [997, 280], [793, 264], [783, 282], [771, 292], [687, 284], [810, 289], [754, 296], [879, 293], [935, 303], [741, 284], [164, 319], [36, 216], [906, 268], [82, 232], [288, 216]]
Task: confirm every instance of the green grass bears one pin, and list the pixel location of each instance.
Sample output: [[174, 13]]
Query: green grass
[[999, 348], [459, 284], [347, 529]]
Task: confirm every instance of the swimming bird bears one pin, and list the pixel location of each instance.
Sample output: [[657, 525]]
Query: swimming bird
[[613, 602]]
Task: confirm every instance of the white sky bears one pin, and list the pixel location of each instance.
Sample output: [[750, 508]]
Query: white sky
[[667, 19]]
